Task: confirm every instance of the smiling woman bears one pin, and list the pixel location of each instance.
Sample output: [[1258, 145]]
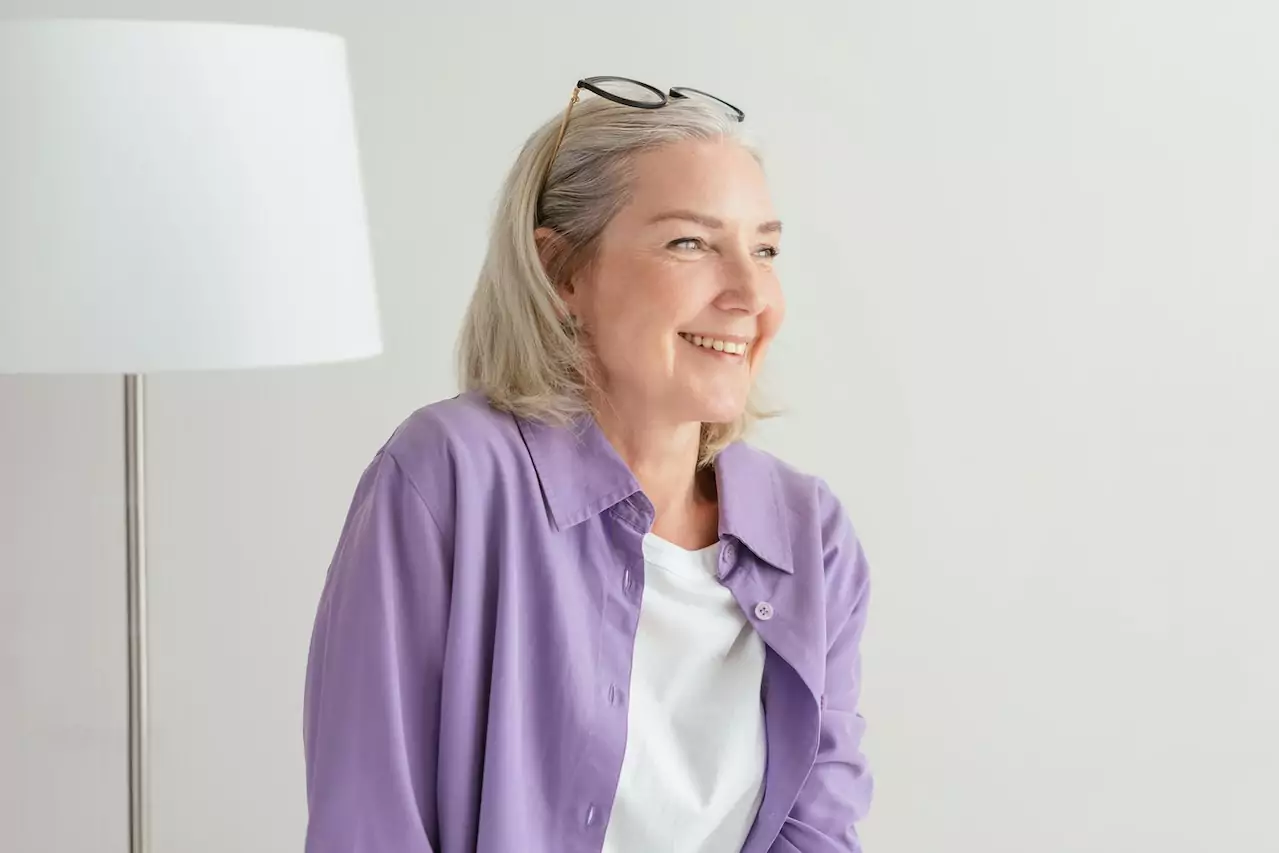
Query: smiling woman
[[571, 607], [614, 185], [691, 253]]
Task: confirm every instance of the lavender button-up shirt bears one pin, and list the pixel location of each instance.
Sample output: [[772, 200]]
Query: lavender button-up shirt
[[467, 684]]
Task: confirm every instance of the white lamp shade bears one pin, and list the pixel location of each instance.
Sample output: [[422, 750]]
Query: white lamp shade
[[179, 196]]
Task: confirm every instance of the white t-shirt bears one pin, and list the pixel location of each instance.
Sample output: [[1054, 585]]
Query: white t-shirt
[[693, 773]]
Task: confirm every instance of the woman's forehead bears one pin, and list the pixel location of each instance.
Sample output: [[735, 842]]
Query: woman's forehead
[[712, 179]]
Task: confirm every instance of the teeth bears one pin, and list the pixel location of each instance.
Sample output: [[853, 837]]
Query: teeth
[[730, 347]]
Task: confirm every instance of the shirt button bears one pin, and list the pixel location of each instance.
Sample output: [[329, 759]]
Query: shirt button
[[590, 815], [764, 611], [614, 695], [730, 552]]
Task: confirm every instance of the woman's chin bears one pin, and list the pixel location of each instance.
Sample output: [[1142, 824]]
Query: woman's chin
[[718, 409]]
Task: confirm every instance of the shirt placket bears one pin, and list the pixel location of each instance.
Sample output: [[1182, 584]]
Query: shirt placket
[[619, 621], [790, 708]]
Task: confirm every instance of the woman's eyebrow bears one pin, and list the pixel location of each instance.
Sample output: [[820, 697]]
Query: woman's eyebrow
[[771, 227]]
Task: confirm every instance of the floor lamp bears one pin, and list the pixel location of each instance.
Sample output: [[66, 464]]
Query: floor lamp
[[176, 197]]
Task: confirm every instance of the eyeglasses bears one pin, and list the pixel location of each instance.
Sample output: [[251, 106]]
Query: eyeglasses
[[632, 93]]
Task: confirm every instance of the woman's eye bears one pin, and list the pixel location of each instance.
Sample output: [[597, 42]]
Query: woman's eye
[[686, 243], [697, 243]]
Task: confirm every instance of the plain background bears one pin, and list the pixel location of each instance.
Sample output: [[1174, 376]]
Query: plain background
[[1032, 266]]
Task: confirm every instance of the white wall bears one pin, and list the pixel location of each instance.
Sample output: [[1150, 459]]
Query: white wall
[[1031, 259]]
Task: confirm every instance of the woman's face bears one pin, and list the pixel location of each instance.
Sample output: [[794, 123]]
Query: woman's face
[[682, 299]]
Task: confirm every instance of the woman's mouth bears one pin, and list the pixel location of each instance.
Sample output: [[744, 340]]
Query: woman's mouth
[[726, 347]]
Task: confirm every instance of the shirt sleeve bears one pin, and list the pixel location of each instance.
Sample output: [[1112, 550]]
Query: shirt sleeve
[[838, 791], [371, 714]]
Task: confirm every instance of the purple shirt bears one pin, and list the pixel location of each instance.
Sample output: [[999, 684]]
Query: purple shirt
[[467, 684]]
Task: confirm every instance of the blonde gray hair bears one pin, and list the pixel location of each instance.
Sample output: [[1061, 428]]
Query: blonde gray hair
[[516, 346]]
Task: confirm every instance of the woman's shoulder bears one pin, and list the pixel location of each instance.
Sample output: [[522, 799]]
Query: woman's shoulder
[[462, 439], [807, 514], [466, 419], [801, 492]]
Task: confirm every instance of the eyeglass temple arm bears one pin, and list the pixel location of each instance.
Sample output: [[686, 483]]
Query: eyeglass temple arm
[[577, 90]]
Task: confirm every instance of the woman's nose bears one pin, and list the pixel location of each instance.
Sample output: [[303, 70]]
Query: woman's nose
[[745, 285]]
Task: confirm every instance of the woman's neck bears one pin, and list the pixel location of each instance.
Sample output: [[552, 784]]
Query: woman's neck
[[663, 457]]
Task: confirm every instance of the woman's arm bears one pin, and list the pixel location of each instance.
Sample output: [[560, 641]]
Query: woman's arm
[[838, 791], [372, 687]]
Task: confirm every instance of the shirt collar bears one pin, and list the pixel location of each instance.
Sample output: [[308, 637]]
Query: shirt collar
[[582, 475]]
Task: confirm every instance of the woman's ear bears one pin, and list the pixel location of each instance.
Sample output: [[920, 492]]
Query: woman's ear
[[552, 249]]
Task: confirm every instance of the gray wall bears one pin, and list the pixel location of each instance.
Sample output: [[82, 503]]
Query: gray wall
[[1030, 259]]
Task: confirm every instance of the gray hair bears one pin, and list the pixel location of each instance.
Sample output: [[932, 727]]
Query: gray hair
[[516, 346]]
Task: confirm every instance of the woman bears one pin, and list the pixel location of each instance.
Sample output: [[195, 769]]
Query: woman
[[570, 609]]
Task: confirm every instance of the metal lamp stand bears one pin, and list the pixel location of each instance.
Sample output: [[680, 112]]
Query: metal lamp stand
[[135, 517]]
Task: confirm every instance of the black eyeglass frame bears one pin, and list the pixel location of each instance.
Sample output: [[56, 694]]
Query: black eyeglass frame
[[595, 86]]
